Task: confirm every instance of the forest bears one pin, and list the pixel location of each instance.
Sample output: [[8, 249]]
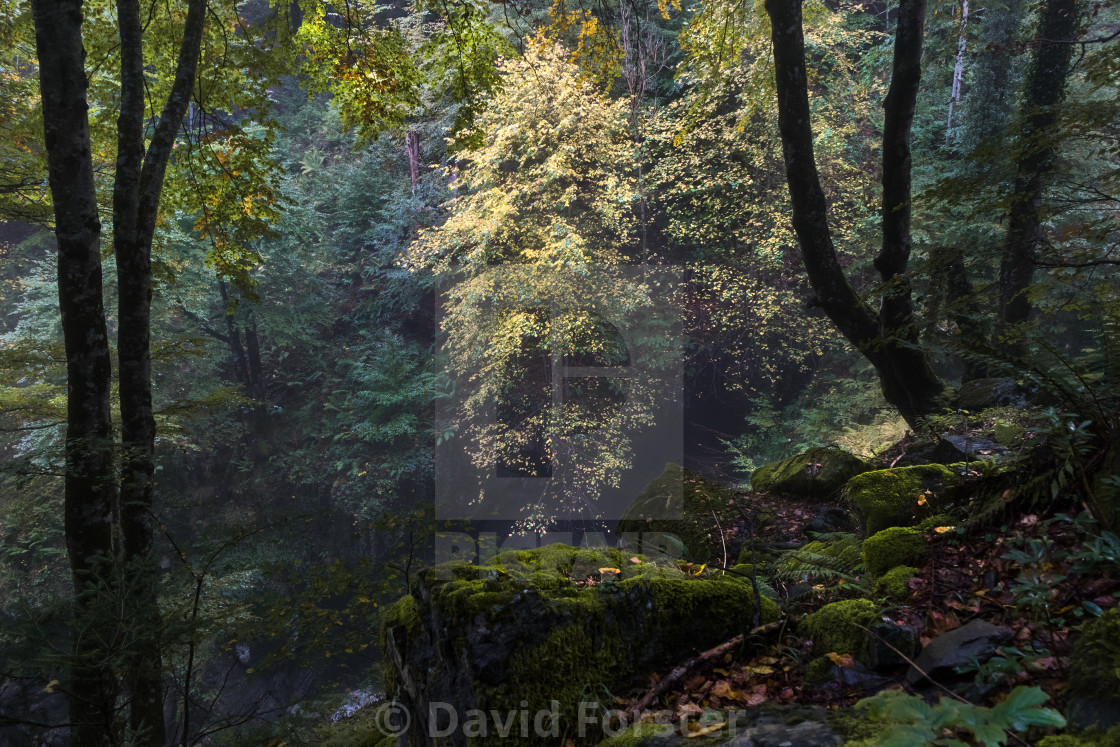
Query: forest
[[590, 373]]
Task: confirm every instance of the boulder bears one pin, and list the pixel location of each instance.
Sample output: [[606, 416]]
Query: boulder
[[1094, 675], [817, 474], [678, 505], [895, 583], [893, 547], [980, 394], [883, 657], [899, 497], [835, 627], [521, 629], [830, 519], [977, 640]]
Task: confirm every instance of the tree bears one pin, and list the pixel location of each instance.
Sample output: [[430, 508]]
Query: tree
[[888, 337], [1047, 76], [94, 501]]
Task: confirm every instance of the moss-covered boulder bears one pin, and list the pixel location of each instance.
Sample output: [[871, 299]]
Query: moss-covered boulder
[[893, 547], [835, 627], [980, 394], [1094, 684], [520, 628], [899, 497], [679, 504], [816, 474], [895, 583]]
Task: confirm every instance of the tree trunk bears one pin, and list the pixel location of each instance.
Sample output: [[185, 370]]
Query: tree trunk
[[887, 338], [90, 489], [136, 195], [1046, 86]]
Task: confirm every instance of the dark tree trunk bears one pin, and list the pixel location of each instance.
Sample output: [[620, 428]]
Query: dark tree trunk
[[136, 195], [90, 487], [887, 338], [1046, 87]]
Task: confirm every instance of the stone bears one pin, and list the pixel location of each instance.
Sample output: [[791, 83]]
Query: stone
[[816, 475], [951, 449], [977, 640], [899, 497], [882, 657], [805, 734], [980, 394], [835, 627], [893, 547], [829, 520], [677, 507], [519, 628]]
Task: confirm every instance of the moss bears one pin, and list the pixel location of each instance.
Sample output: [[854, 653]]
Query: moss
[[680, 504], [938, 520], [895, 583], [1094, 686], [893, 547], [834, 627], [633, 735], [818, 473], [819, 671], [1110, 738], [522, 630], [898, 497]]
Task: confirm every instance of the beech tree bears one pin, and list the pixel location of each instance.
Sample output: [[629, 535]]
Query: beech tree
[[888, 336], [108, 498]]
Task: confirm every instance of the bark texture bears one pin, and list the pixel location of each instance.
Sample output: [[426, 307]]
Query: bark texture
[[90, 486], [1046, 87]]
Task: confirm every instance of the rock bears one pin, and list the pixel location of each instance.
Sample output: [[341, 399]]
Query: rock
[[805, 734], [895, 583], [834, 628], [519, 629], [882, 657], [899, 497], [978, 639], [817, 474], [893, 547], [830, 519], [679, 505], [1094, 674], [951, 449], [980, 394]]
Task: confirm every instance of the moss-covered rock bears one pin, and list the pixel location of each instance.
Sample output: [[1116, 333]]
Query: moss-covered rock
[[895, 583], [521, 629], [680, 504], [816, 474], [893, 547], [1094, 685], [834, 628], [899, 497]]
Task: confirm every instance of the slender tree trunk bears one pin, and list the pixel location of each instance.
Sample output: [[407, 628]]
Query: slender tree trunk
[[137, 190], [1046, 87], [90, 489], [887, 338], [958, 70]]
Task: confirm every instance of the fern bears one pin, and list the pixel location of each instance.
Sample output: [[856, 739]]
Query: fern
[[835, 557]]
